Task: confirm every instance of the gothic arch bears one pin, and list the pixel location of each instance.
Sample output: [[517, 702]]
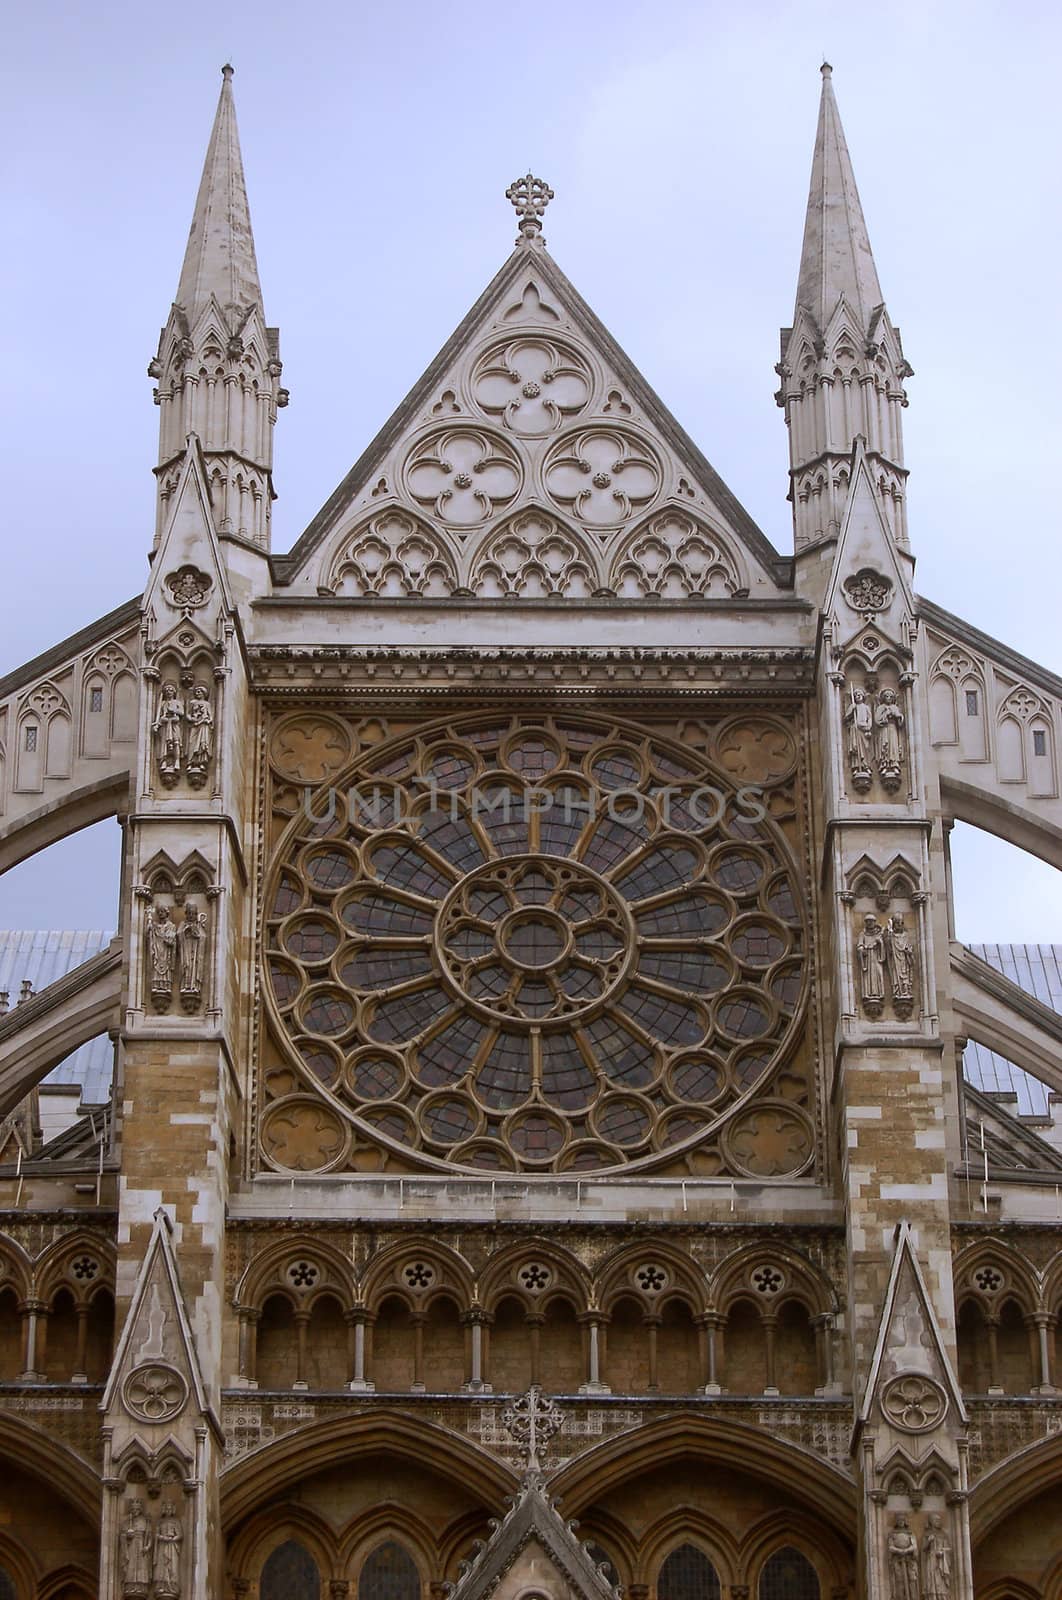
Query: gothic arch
[[264, 1274], [1017, 824], [21, 1563], [390, 553], [619, 1276], [747, 1274], [269, 1470], [269, 1529], [46, 1457], [687, 1525], [598, 1527], [388, 1520], [16, 1269], [503, 1275], [827, 1553], [383, 1278], [68, 1583], [1020, 1476], [691, 1436], [68, 1263], [1019, 1279], [533, 555]]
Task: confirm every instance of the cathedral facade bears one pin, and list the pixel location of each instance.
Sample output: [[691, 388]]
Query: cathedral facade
[[538, 1022]]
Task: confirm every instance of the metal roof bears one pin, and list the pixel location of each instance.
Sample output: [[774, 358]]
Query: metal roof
[[1036, 968], [42, 957]]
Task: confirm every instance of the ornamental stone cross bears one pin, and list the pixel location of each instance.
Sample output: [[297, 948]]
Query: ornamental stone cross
[[530, 197], [532, 1420]]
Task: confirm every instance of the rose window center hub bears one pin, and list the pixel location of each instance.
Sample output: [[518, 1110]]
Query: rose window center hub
[[535, 940]]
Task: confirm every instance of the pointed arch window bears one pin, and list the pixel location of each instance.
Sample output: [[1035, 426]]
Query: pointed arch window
[[687, 1574], [789, 1575], [390, 1573], [290, 1574]]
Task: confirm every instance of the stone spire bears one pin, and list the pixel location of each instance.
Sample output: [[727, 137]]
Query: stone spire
[[842, 366], [220, 259], [218, 364]]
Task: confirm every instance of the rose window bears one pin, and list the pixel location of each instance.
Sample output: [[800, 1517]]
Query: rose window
[[561, 947]]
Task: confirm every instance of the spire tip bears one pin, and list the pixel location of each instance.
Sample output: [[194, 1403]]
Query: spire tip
[[228, 72], [826, 70]]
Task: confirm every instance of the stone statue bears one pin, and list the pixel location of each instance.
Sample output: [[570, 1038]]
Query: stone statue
[[169, 733], [870, 947], [200, 718], [888, 722], [135, 1551], [162, 948], [936, 1560], [901, 959], [903, 1561], [169, 1537], [192, 939], [860, 721]]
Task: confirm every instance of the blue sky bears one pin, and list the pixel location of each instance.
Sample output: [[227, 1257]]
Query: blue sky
[[378, 143]]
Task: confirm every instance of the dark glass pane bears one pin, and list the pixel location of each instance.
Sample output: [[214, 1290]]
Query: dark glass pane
[[405, 1017], [566, 1079], [379, 914], [624, 1058], [389, 1574], [661, 869], [290, 1574], [685, 969], [788, 1575], [687, 1574], [698, 913], [449, 1054]]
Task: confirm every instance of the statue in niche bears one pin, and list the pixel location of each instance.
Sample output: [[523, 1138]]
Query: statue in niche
[[859, 719], [900, 954], [871, 950], [135, 1551], [162, 950], [169, 1537], [903, 1560], [168, 729], [192, 940], [936, 1560], [888, 723], [199, 715]]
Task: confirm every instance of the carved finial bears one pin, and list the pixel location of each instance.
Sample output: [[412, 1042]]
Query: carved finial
[[532, 1420], [228, 71], [530, 197], [826, 70]]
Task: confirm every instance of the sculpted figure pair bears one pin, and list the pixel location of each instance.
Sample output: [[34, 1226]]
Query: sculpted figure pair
[[167, 944], [150, 1560], [176, 748], [919, 1574], [886, 951], [875, 738]]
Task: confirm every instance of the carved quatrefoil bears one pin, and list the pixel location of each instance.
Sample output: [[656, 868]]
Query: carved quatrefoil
[[914, 1403], [154, 1392]]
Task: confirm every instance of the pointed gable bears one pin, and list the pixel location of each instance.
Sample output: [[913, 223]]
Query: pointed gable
[[869, 582], [532, 429], [911, 1381], [156, 1372]]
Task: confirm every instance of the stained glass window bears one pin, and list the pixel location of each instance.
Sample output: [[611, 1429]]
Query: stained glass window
[[789, 1575], [687, 1574], [390, 1573], [536, 965], [290, 1573]]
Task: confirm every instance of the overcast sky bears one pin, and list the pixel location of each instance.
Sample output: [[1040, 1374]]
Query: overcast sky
[[378, 141]]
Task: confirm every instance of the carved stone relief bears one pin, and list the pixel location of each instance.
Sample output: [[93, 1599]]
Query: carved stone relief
[[532, 384], [675, 558], [154, 1392], [936, 1560], [868, 592], [188, 588], [394, 557], [135, 1551], [530, 559], [308, 747], [300, 1134], [602, 475], [464, 475], [770, 1140]]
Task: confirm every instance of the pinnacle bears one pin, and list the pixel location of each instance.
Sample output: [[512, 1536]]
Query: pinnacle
[[220, 258], [836, 258]]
